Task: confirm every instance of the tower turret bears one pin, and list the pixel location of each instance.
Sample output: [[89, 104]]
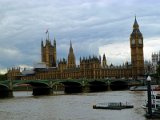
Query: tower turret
[[104, 61], [42, 43], [71, 57], [54, 53], [136, 45], [54, 42], [48, 53]]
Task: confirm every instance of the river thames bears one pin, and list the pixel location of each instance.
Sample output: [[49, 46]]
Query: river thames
[[24, 106]]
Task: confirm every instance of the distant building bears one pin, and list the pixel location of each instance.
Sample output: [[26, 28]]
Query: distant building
[[148, 67], [91, 67], [155, 60], [13, 73]]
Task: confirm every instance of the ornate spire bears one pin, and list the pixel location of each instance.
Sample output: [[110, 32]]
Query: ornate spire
[[135, 25], [104, 57], [136, 30], [54, 42], [42, 43], [104, 61], [70, 43], [71, 49], [71, 57]]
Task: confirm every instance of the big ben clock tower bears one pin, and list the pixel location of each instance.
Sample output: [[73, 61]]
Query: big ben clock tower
[[136, 44]]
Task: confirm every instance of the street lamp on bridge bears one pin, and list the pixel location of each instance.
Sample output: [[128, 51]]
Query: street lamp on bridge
[[149, 112]]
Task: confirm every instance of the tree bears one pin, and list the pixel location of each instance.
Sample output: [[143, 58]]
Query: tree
[[3, 77]]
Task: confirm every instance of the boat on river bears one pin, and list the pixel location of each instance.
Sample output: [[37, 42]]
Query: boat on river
[[144, 88], [112, 106]]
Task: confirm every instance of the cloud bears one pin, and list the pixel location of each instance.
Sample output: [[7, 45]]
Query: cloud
[[116, 53], [119, 52], [13, 57], [151, 46], [89, 24], [3, 71]]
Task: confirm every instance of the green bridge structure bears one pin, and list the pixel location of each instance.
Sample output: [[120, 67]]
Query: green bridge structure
[[46, 87]]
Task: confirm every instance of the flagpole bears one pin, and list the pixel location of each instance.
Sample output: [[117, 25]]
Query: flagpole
[[47, 32], [48, 35]]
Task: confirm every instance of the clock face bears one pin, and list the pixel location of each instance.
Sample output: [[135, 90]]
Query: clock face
[[140, 41], [133, 41]]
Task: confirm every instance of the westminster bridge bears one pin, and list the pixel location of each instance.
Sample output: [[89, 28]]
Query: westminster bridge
[[46, 87]]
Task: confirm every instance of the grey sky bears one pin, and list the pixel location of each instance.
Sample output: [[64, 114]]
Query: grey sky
[[93, 26]]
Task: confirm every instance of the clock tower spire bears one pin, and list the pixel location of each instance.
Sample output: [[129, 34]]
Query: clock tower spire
[[136, 45]]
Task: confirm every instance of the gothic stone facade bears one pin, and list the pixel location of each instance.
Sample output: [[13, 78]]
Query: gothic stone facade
[[90, 67]]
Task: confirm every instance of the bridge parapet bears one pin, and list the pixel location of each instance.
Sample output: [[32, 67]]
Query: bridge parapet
[[51, 82]]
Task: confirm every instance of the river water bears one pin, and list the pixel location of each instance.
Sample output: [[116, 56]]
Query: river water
[[24, 106]]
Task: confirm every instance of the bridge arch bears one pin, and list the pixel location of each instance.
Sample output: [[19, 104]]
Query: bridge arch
[[2, 87], [32, 83], [97, 86], [72, 86], [38, 87], [118, 85], [5, 91]]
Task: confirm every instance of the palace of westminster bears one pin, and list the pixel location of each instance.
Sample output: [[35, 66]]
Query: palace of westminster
[[89, 68]]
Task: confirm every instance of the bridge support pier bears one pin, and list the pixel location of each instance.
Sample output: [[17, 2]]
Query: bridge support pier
[[6, 93], [108, 88], [85, 88], [73, 89], [98, 88], [42, 91]]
